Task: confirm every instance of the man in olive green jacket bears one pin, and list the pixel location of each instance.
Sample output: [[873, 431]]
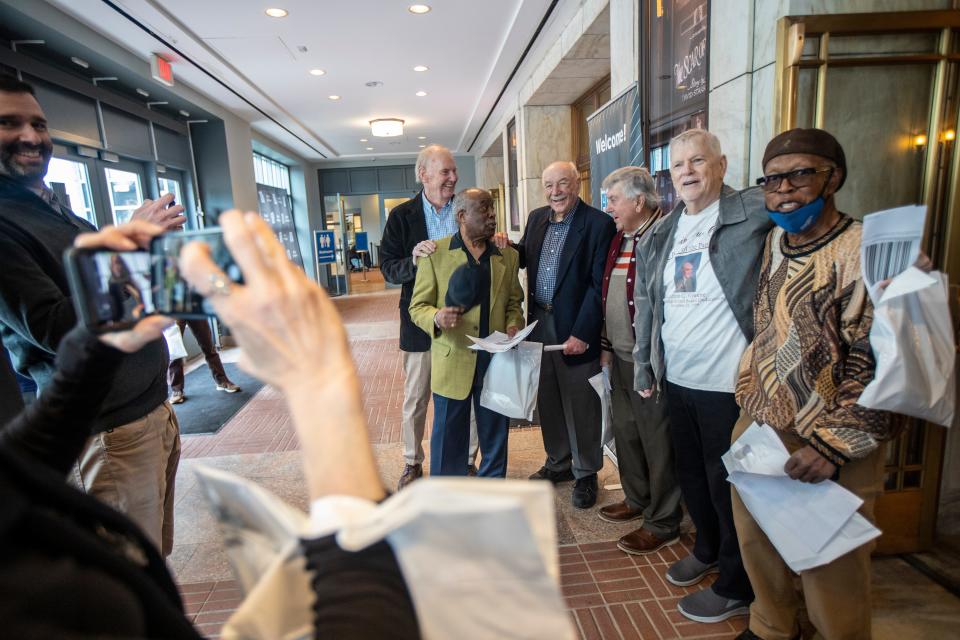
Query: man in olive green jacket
[[457, 371]]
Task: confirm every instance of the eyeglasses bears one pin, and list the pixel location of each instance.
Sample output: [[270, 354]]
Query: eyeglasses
[[798, 178]]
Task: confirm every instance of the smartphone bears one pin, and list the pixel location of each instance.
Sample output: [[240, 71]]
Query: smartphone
[[172, 295], [112, 290]]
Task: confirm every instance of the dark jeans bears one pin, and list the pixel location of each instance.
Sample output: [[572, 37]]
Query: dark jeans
[[701, 424], [201, 331], [450, 438]]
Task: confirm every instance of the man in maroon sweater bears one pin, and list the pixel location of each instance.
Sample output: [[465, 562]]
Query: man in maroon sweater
[[640, 425]]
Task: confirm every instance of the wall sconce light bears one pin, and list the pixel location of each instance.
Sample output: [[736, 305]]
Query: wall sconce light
[[919, 140], [949, 135]]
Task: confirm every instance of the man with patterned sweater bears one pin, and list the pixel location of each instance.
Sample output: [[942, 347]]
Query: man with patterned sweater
[[809, 361], [640, 425]]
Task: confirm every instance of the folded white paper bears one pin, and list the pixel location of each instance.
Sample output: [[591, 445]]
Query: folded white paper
[[499, 341], [809, 524]]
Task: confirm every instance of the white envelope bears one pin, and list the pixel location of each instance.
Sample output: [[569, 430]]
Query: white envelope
[[809, 524]]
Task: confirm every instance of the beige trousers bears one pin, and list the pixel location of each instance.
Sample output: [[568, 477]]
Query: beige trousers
[[416, 397], [133, 468], [836, 595]]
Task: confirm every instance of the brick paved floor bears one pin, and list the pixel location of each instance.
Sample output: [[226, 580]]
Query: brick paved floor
[[610, 595]]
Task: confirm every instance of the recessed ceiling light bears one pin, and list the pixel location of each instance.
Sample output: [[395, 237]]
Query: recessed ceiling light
[[334, 97], [317, 72], [420, 94], [421, 67], [363, 140], [369, 148], [423, 146], [145, 94], [185, 114], [421, 137], [80, 62], [386, 127], [418, 8], [274, 12]]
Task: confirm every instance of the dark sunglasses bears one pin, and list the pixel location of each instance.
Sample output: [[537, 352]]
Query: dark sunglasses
[[799, 178]]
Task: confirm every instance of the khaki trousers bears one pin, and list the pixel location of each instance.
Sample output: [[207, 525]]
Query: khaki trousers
[[416, 397], [836, 595], [133, 468]]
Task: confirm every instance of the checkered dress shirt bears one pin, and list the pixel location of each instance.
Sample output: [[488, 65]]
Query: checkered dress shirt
[[550, 258], [442, 223]]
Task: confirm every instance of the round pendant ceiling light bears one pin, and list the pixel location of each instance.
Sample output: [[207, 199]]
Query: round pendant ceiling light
[[386, 127]]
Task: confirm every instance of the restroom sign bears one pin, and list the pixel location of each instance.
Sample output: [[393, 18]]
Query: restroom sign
[[326, 247]]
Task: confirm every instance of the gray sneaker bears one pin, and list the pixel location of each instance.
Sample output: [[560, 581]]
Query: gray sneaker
[[707, 606], [689, 571]]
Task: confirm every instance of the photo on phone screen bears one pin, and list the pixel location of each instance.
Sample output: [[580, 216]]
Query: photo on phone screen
[[115, 287], [172, 295]]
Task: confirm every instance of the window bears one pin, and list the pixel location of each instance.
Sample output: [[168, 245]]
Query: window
[[589, 102], [76, 186], [126, 194], [271, 173], [170, 186]]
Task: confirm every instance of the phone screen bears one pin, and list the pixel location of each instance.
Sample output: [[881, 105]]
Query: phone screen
[[171, 294], [115, 287]]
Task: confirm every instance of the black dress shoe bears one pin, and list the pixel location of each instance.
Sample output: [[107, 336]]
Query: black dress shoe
[[555, 477], [585, 492]]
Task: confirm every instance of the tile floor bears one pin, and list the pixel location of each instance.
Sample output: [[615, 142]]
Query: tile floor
[[610, 595]]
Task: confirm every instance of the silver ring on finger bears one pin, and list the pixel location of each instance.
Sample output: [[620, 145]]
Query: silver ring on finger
[[220, 286]]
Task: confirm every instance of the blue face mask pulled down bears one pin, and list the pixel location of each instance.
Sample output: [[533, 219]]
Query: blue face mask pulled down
[[798, 220]]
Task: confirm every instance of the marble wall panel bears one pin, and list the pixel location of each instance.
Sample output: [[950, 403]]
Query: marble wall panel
[[761, 120], [490, 172], [591, 46], [729, 120], [546, 136], [623, 44], [765, 16], [731, 41]]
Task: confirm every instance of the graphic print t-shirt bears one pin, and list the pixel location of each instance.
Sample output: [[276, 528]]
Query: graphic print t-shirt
[[702, 341]]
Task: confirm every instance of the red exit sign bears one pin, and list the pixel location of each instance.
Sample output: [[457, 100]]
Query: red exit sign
[[161, 70]]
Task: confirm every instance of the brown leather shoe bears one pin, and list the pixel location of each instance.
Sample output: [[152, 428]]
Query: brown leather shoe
[[410, 473], [642, 542], [619, 512]]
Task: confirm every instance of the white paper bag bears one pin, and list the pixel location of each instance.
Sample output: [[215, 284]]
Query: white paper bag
[[512, 381], [601, 384], [175, 342], [913, 343]]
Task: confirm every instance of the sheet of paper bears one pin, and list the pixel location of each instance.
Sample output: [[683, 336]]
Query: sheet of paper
[[498, 341], [809, 524], [890, 244]]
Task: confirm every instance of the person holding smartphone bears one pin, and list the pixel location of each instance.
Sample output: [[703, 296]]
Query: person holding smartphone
[[74, 567], [130, 461]]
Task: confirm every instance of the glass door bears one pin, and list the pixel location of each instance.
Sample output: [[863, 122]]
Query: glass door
[[339, 271], [70, 180], [124, 189]]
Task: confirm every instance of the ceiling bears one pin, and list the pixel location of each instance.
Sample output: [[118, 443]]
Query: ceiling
[[257, 66]]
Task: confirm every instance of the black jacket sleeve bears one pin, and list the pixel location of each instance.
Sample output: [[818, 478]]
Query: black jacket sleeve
[[359, 595], [395, 263], [31, 303], [54, 428]]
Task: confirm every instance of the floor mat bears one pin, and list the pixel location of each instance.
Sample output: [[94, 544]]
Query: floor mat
[[206, 410]]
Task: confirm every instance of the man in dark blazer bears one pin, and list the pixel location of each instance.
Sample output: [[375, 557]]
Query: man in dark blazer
[[410, 233], [564, 249]]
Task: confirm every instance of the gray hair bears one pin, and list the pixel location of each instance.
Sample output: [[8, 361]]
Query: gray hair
[[710, 140], [634, 182], [424, 157], [472, 193]]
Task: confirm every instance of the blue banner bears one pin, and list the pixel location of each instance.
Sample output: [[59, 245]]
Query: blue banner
[[362, 242]]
